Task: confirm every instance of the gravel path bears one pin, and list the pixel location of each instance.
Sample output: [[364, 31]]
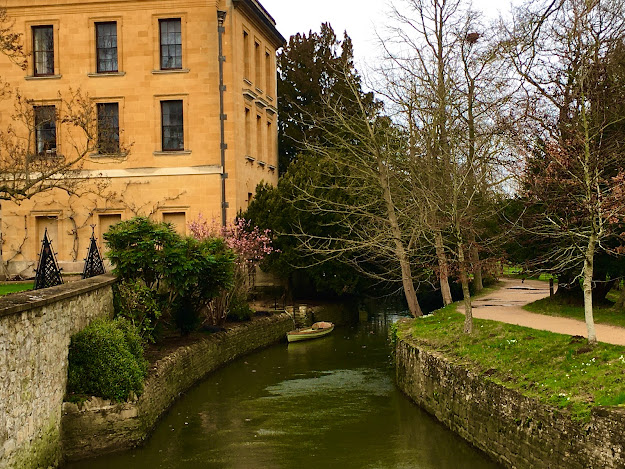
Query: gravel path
[[505, 305]]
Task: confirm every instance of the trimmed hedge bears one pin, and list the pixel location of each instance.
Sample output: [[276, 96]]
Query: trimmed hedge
[[106, 360]]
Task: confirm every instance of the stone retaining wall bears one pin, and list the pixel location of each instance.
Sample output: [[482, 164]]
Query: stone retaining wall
[[514, 430], [100, 427], [35, 330]]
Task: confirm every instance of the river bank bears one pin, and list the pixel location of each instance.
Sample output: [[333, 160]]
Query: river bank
[[524, 415], [99, 427]]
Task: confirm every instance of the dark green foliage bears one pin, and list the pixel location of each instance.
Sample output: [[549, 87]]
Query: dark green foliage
[[181, 273], [106, 360], [239, 310], [275, 208], [138, 249], [186, 315], [139, 304], [317, 79], [199, 270], [312, 70]]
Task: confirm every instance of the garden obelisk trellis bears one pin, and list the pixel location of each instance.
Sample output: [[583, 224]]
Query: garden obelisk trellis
[[48, 272], [93, 263]]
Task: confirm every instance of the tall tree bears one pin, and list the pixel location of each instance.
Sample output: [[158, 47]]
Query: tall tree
[[311, 72], [442, 81], [365, 155], [425, 85], [352, 185], [566, 54]]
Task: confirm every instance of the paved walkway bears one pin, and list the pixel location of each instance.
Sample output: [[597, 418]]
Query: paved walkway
[[505, 305]]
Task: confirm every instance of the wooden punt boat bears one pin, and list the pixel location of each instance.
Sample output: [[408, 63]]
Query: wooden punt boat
[[318, 329]]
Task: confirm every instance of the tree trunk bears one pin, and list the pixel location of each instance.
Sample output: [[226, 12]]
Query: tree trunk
[[569, 290], [466, 294], [400, 252], [601, 289], [588, 271], [4, 271], [406, 278], [478, 283], [620, 303], [443, 269]]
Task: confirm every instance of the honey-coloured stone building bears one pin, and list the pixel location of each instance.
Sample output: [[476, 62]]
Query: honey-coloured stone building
[[184, 94]]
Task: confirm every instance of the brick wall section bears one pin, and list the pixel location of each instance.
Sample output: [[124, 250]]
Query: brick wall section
[[514, 430], [100, 427], [35, 330]]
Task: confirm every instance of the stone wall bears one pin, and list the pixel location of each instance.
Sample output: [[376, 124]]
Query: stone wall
[[514, 430], [35, 331], [99, 427]]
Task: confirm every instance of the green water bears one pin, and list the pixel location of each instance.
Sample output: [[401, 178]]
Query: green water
[[327, 403]]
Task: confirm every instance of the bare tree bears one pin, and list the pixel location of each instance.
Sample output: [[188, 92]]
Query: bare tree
[[31, 162], [359, 177], [445, 88], [562, 50], [423, 83]]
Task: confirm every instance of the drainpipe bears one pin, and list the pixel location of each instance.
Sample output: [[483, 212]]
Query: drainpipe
[[221, 17]]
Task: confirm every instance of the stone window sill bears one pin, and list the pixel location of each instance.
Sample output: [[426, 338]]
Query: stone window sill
[[108, 155], [173, 70], [172, 153], [43, 77], [106, 74]]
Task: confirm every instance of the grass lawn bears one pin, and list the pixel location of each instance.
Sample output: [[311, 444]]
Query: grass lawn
[[7, 288], [517, 272], [557, 369], [603, 314]]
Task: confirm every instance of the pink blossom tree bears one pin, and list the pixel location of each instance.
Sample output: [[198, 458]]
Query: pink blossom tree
[[250, 244]]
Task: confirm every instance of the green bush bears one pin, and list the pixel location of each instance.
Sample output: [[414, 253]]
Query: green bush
[[138, 249], [239, 310], [139, 304], [182, 271], [106, 360]]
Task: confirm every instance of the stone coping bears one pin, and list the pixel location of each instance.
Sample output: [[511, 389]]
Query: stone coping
[[23, 301]]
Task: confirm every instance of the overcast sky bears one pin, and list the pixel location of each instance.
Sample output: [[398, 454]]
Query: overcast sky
[[360, 18]]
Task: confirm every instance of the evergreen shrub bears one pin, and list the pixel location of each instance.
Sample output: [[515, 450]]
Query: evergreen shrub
[[139, 304], [106, 360], [239, 310]]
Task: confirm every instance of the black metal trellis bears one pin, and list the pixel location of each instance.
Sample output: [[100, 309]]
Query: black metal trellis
[[48, 272], [93, 263]]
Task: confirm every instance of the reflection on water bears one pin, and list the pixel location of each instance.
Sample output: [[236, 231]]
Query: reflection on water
[[326, 403]]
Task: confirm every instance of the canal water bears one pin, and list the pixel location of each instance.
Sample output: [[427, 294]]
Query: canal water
[[327, 403]]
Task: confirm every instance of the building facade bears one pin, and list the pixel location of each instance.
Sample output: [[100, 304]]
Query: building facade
[[184, 94]]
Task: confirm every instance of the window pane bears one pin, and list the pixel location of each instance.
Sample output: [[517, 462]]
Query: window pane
[[172, 128], [106, 44], [45, 130], [43, 50], [108, 128], [171, 43]]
